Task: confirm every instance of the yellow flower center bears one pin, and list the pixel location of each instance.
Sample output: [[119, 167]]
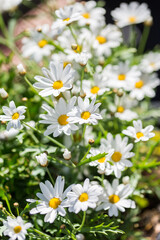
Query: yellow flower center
[[152, 64], [54, 203], [139, 134], [58, 84], [15, 116], [94, 90], [121, 77], [62, 120], [78, 49], [17, 229], [85, 115], [139, 84], [120, 109], [83, 197], [101, 39], [116, 157], [65, 64], [86, 15], [66, 19], [102, 160], [42, 43], [132, 19], [114, 198]]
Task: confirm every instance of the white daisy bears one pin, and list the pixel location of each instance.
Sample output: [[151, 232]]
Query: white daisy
[[145, 86], [119, 159], [16, 228], [121, 75], [58, 118], [85, 112], [132, 13], [83, 197], [114, 198], [42, 159], [52, 200], [56, 80], [36, 46], [108, 38], [100, 163], [92, 16], [97, 87], [138, 132], [66, 16], [150, 62], [13, 114], [8, 5]]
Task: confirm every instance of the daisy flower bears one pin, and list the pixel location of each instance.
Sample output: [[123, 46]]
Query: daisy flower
[[8, 5], [83, 197], [97, 87], [58, 118], [108, 38], [114, 198], [66, 16], [16, 228], [13, 114], [92, 16], [36, 46], [150, 62], [145, 86], [85, 112], [100, 163], [132, 13], [121, 75], [138, 132], [52, 200], [56, 80], [119, 159]]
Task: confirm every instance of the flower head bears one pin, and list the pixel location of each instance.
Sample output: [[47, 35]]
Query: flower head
[[13, 114], [42, 159], [56, 80], [52, 200], [138, 132], [114, 198], [16, 228]]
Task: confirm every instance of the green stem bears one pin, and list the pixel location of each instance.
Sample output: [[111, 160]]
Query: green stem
[[82, 76], [36, 92], [151, 150], [83, 221], [56, 46], [51, 139], [143, 39], [17, 210], [60, 162], [132, 36], [47, 170], [8, 205], [40, 233], [85, 154], [102, 129], [73, 34], [84, 130]]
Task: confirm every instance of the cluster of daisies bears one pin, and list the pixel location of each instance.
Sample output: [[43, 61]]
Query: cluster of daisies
[[78, 45]]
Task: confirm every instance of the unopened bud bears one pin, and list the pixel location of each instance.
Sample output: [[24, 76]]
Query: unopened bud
[[149, 22], [21, 69], [42, 159], [80, 236], [24, 99], [120, 93], [74, 46], [3, 122], [82, 94], [39, 29], [16, 204], [115, 90], [67, 154], [3, 93], [63, 226], [1, 206], [91, 141], [125, 180]]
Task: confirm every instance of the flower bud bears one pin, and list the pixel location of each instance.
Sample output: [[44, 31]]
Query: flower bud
[[74, 46], [63, 226], [80, 236], [21, 69], [125, 180], [120, 93], [149, 22], [3, 93], [91, 141], [42, 159], [16, 204], [24, 99], [82, 94], [67, 154]]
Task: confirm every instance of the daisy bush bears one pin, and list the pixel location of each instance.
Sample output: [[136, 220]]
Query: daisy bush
[[79, 138]]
